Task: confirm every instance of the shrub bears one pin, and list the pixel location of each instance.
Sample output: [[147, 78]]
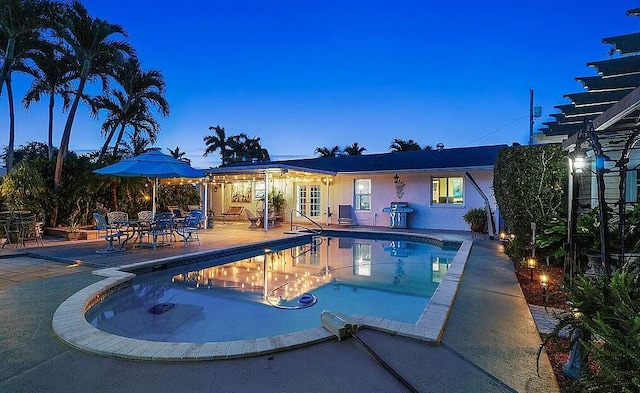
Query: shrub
[[477, 219]]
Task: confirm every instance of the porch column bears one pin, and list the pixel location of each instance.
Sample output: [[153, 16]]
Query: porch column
[[265, 216]]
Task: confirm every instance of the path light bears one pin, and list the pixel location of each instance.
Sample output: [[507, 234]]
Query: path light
[[544, 282], [531, 264]]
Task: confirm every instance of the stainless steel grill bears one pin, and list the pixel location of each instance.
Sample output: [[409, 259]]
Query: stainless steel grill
[[398, 214]]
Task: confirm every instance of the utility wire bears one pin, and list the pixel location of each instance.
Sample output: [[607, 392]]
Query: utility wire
[[500, 128]]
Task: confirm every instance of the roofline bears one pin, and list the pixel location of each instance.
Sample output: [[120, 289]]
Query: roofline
[[446, 169], [260, 167]]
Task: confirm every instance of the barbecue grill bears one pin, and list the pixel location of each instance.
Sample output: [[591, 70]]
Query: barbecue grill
[[398, 214]]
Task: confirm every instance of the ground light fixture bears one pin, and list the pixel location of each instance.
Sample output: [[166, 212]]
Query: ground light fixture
[[544, 283], [531, 264]]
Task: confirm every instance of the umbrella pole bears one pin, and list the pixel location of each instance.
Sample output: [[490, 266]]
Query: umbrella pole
[[155, 195]]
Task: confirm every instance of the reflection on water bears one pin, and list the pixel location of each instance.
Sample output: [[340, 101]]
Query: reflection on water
[[387, 279]]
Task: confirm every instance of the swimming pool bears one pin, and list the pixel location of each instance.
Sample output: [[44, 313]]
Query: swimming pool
[[276, 291], [70, 322]]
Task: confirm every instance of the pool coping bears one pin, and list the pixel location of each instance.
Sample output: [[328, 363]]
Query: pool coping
[[70, 325]]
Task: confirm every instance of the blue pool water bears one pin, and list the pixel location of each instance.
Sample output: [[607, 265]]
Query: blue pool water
[[260, 295]]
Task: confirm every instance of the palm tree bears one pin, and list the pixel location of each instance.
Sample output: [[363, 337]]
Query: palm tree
[[21, 20], [52, 74], [140, 91], [355, 149], [95, 55], [20, 25], [403, 145], [326, 152], [179, 155], [139, 145], [22, 49], [217, 141], [243, 148]]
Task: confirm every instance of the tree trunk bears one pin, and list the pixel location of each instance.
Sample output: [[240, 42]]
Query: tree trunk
[[115, 146], [12, 126], [103, 151], [114, 196], [8, 60], [66, 135], [50, 140]]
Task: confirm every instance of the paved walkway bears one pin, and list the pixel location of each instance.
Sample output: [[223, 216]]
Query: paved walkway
[[489, 344]]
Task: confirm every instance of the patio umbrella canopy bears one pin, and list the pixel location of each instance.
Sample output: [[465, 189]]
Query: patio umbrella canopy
[[153, 164]]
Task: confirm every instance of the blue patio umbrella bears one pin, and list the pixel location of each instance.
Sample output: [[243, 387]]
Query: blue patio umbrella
[[153, 164]]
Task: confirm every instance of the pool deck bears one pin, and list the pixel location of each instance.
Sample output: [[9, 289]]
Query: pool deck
[[489, 343]]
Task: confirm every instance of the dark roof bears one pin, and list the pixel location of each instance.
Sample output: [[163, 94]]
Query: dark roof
[[454, 158]]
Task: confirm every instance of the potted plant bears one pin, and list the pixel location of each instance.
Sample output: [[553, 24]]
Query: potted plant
[[73, 233], [477, 219]]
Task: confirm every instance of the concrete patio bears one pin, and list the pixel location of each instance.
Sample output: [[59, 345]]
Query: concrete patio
[[489, 344]]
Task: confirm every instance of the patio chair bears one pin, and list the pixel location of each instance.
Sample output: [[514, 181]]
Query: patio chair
[[252, 219], [344, 215], [117, 219], [31, 229], [110, 236], [162, 228], [190, 228], [145, 215]]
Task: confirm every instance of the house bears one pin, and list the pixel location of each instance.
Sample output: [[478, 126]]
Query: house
[[439, 185]]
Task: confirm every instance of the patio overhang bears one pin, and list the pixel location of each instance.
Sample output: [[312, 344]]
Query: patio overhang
[[255, 171]]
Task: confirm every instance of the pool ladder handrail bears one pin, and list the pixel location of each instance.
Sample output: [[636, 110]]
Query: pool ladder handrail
[[312, 247], [298, 226]]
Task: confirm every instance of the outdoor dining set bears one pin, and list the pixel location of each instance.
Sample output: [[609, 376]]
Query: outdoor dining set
[[18, 227], [147, 229]]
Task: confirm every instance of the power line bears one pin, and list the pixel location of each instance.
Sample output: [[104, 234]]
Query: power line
[[500, 128]]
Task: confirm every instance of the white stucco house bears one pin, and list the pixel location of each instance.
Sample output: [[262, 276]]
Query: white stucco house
[[438, 185]]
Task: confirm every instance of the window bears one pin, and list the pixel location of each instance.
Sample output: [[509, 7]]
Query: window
[[447, 190], [362, 259], [308, 200], [362, 193]]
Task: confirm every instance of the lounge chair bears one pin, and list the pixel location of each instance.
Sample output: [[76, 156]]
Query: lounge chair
[[344, 215], [252, 219], [233, 212], [179, 213], [111, 234]]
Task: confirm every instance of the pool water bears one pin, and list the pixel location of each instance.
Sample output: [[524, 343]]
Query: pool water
[[268, 294]]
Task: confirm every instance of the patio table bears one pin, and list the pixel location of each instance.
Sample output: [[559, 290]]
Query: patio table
[[133, 228]]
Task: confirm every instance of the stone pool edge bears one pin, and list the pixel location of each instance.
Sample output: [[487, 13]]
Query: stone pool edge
[[70, 325]]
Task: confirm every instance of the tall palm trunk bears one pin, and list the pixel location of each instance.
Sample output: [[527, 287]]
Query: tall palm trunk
[[115, 146], [8, 60], [12, 126], [66, 135], [50, 141], [114, 196], [103, 151]]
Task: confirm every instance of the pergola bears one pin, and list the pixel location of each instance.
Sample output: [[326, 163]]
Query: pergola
[[603, 124]]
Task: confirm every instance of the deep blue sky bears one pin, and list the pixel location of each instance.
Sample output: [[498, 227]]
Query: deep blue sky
[[303, 74]]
